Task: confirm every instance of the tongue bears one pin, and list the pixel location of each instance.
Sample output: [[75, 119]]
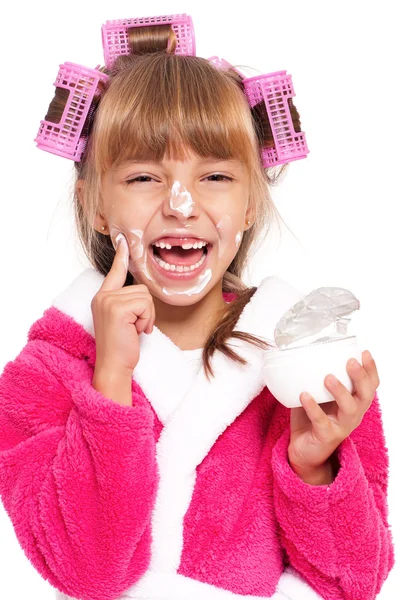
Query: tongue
[[178, 256]]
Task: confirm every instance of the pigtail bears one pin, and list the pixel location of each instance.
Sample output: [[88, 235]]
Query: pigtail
[[226, 322]]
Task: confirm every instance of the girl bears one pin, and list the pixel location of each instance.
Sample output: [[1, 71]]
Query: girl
[[141, 456]]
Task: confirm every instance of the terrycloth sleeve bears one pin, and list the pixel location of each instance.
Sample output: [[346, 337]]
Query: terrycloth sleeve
[[337, 536], [78, 475]]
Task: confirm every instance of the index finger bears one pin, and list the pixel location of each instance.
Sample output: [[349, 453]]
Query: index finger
[[118, 271]]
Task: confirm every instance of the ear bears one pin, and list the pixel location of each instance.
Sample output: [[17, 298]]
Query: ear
[[100, 223], [250, 216]]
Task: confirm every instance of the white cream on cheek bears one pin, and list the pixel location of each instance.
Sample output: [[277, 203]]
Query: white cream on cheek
[[226, 234], [137, 261], [137, 247]]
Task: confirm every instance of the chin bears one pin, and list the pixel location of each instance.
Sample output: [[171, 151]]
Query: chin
[[181, 293], [180, 299]]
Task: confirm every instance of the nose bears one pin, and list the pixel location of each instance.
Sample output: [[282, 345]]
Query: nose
[[180, 203]]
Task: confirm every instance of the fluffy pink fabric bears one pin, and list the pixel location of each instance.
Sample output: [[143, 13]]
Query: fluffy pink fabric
[[78, 478]]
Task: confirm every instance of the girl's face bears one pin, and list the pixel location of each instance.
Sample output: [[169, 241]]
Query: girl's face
[[183, 221]]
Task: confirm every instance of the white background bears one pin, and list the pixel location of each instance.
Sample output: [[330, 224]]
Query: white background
[[340, 201]]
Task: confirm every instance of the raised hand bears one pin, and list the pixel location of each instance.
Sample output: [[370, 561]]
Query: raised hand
[[120, 314]]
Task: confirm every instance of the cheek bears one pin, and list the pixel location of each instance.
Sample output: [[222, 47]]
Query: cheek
[[238, 238], [229, 229], [134, 239], [131, 220], [128, 214], [124, 207], [138, 253]]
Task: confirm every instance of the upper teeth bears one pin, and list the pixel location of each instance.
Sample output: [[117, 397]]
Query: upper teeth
[[196, 245]]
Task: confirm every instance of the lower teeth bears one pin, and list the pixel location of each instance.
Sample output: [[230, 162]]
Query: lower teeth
[[179, 268]]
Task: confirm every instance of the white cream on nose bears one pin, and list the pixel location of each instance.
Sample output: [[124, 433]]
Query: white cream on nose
[[181, 200]]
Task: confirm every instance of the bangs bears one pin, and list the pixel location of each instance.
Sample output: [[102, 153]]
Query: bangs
[[164, 106]]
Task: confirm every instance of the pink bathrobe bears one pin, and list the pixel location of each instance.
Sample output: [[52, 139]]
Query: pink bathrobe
[[187, 494]]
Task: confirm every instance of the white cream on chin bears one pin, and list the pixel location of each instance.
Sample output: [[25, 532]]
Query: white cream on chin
[[204, 279]]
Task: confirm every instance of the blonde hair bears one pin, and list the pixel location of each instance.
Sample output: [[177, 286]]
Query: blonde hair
[[157, 105]]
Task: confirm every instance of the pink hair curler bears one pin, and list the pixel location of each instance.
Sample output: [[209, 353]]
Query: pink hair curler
[[115, 35], [221, 64], [274, 89], [64, 138]]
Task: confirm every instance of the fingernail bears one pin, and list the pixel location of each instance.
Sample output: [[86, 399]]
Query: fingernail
[[118, 239], [332, 380]]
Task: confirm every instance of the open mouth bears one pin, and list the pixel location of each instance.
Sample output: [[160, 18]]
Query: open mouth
[[180, 257]]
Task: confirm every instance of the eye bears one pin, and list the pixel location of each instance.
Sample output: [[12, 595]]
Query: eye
[[139, 179], [224, 177]]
